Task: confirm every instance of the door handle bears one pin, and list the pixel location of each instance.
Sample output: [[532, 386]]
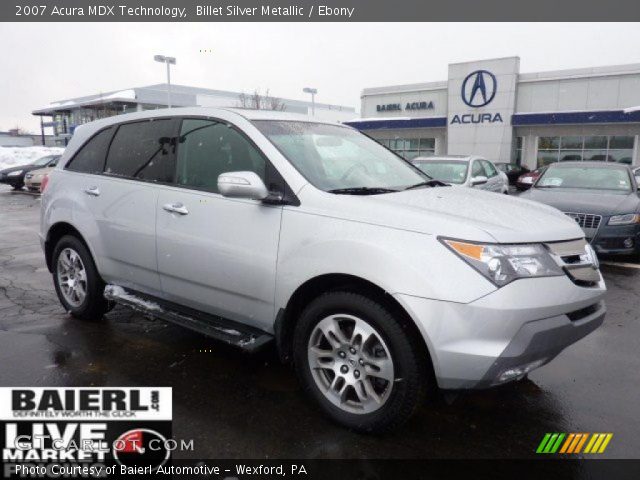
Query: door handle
[[93, 191], [176, 208]]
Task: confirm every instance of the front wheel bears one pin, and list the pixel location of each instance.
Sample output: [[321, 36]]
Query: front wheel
[[78, 284], [358, 363]]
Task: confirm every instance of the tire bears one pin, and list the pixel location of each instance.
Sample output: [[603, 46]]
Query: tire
[[407, 380], [17, 186], [90, 306]]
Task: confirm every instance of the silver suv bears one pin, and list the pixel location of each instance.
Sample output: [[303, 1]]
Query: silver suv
[[377, 282]]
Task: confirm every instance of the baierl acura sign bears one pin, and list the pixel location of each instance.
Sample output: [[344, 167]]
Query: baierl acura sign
[[478, 90]]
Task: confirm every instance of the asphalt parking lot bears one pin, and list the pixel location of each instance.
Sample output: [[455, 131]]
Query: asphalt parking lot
[[235, 405]]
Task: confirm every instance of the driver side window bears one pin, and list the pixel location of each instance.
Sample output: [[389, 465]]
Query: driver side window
[[477, 170], [489, 168], [207, 149]]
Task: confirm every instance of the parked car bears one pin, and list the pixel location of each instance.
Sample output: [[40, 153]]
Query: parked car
[[525, 181], [601, 197], [513, 171], [33, 179], [467, 171], [15, 176], [378, 282]]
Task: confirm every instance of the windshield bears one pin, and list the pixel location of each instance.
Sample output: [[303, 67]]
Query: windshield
[[335, 158], [592, 178], [449, 171]]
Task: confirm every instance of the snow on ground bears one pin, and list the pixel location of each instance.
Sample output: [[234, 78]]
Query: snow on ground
[[15, 156]]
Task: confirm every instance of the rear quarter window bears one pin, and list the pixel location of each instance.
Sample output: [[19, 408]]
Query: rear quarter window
[[91, 156]]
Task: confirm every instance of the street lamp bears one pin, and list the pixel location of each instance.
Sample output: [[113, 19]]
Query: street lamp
[[169, 61], [313, 92]]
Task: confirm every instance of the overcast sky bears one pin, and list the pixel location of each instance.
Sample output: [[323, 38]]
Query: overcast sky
[[48, 62]]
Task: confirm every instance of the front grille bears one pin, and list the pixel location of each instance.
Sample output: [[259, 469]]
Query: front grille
[[573, 258], [585, 220]]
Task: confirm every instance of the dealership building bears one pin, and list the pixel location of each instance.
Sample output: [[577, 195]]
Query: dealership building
[[63, 116], [489, 108]]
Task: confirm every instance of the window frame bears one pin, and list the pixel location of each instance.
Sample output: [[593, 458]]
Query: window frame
[[271, 172]]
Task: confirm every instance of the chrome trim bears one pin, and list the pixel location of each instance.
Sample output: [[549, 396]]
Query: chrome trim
[[586, 220]]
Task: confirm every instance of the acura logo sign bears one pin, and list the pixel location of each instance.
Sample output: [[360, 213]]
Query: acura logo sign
[[479, 88]]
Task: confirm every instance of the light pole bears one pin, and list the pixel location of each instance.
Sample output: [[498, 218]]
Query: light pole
[[313, 92], [169, 61]]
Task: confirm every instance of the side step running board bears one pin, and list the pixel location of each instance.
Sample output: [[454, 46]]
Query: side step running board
[[233, 333]]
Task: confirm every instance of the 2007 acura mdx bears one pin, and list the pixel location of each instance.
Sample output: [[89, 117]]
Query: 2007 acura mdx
[[378, 282]]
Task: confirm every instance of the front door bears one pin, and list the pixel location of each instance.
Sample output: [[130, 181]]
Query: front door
[[217, 254]]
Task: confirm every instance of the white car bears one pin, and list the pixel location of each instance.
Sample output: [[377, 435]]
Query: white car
[[464, 170], [377, 282]]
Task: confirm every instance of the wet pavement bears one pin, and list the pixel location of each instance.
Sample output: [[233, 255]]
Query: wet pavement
[[235, 405]]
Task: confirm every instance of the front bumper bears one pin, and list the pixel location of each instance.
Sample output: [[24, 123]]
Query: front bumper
[[502, 336], [610, 240]]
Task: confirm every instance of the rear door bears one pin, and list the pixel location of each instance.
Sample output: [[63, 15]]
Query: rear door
[[123, 199], [217, 254]]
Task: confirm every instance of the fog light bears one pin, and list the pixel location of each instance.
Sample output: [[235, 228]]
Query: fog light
[[520, 371], [510, 374], [628, 243]]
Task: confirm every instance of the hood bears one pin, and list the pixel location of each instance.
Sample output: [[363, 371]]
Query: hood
[[598, 202], [463, 213], [42, 171]]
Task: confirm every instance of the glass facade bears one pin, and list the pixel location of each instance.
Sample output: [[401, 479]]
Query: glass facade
[[410, 148], [604, 148]]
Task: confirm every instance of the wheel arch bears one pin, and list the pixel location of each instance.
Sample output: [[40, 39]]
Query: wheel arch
[[55, 233], [287, 317]]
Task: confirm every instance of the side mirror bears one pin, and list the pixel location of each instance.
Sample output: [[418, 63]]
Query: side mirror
[[479, 180], [242, 185]]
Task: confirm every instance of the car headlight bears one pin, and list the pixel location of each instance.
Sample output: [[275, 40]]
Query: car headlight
[[14, 174], [502, 264], [625, 219]]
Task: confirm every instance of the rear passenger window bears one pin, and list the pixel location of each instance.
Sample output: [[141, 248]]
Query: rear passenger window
[[208, 148], [90, 158], [143, 150]]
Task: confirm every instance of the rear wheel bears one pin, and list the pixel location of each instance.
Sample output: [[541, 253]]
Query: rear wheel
[[78, 285], [358, 363]]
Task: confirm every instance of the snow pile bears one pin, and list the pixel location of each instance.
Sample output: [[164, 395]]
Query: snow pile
[[16, 156], [632, 109]]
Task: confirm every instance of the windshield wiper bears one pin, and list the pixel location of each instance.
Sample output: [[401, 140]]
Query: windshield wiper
[[362, 190], [429, 183]]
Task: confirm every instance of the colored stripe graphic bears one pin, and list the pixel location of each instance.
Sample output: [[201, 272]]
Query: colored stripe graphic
[[572, 443]]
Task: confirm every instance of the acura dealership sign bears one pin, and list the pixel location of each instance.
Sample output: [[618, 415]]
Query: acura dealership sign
[[481, 101], [397, 107], [479, 88]]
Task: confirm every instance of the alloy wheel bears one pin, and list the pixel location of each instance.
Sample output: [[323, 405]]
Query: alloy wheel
[[72, 277], [350, 363]]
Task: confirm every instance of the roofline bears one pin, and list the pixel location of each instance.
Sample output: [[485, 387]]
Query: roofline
[[542, 76]]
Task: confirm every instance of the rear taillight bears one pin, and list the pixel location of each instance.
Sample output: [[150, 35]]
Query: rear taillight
[[44, 183]]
